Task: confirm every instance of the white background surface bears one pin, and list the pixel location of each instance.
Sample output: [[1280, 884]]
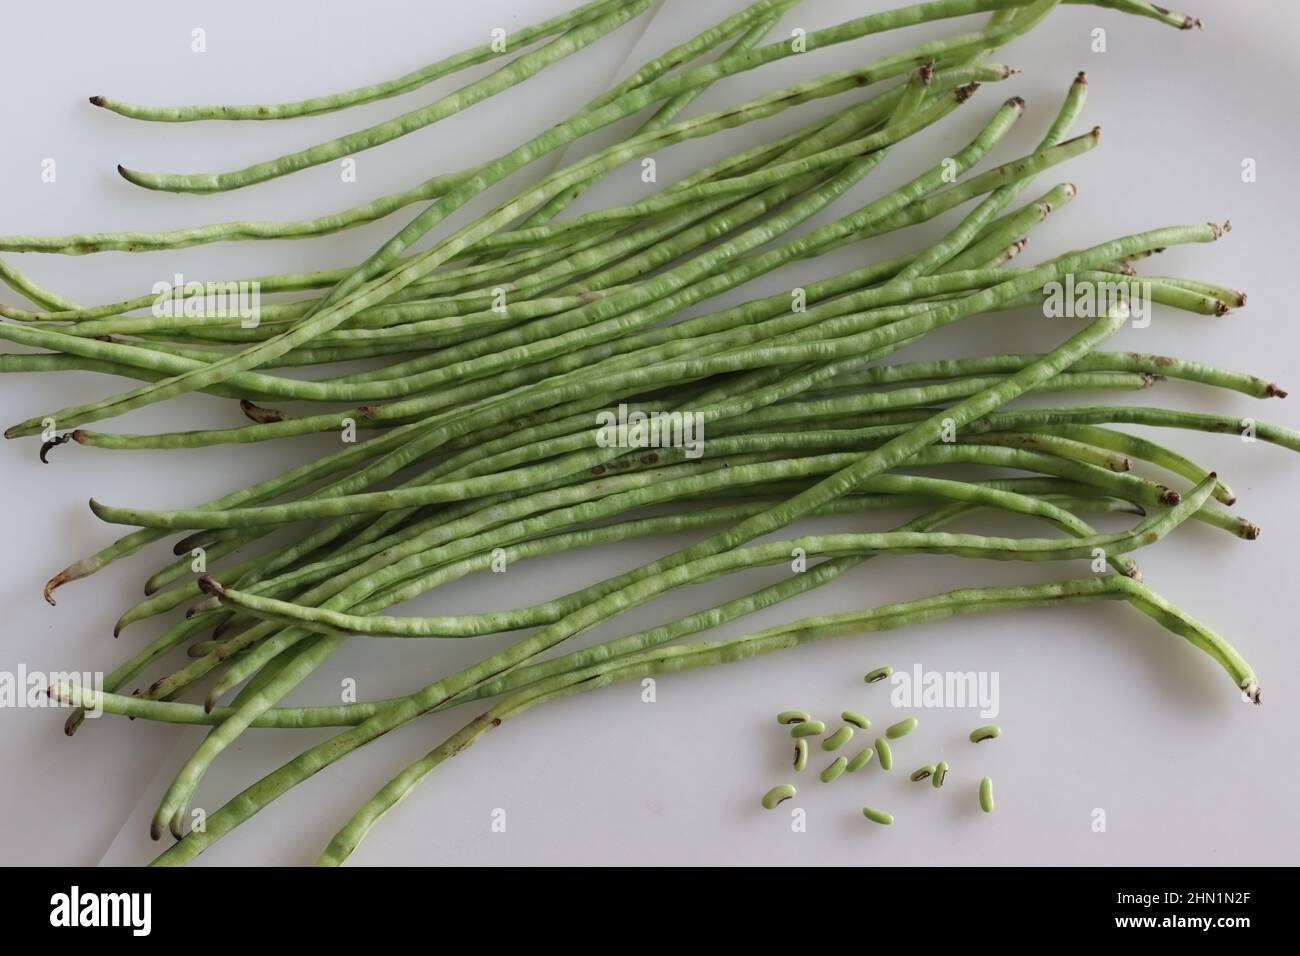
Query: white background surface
[[1100, 707]]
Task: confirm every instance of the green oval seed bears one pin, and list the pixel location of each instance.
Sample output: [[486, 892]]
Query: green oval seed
[[940, 774], [886, 755], [901, 729], [777, 795], [861, 760], [809, 728], [920, 773], [878, 816], [986, 795], [800, 754], [856, 719], [833, 771], [879, 674], [793, 717], [985, 733], [838, 739]]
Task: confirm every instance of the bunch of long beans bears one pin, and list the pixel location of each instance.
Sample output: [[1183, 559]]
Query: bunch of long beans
[[495, 350]]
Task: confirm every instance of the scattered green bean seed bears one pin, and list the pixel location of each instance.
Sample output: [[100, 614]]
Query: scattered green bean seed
[[834, 769], [838, 739], [901, 729], [985, 733], [920, 773], [808, 728], [879, 674], [777, 795], [878, 816], [986, 795], [940, 774], [800, 754], [793, 717], [861, 760], [886, 755], [856, 719]]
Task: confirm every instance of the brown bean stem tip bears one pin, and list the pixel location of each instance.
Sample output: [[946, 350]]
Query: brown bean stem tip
[[210, 585], [54, 583], [54, 442]]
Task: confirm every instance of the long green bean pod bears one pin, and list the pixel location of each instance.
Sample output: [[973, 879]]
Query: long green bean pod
[[973, 600], [364, 94]]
